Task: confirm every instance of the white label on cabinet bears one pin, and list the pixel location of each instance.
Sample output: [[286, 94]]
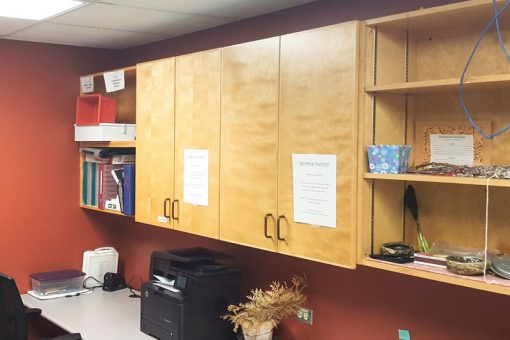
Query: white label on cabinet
[[114, 81], [196, 177], [314, 183], [162, 219], [87, 84], [452, 149]]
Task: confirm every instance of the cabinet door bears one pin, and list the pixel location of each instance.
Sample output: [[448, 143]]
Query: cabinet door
[[318, 105], [155, 142], [249, 142], [197, 126]]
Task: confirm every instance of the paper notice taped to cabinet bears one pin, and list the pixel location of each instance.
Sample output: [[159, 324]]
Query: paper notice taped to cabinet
[[196, 177], [114, 81], [452, 149], [87, 84], [314, 183]]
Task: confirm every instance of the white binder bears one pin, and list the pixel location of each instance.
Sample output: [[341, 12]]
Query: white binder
[[98, 262]]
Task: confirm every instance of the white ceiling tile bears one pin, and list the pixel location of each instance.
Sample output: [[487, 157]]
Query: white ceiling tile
[[223, 8], [85, 36], [9, 25], [120, 24], [136, 20]]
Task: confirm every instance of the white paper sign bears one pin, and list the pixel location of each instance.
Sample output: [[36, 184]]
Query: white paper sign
[[452, 149], [314, 182], [114, 81], [196, 177], [87, 84]]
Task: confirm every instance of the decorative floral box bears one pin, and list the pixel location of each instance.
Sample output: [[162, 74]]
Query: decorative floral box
[[388, 159]]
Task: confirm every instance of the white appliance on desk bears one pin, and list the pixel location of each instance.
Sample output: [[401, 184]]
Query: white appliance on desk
[[100, 261]]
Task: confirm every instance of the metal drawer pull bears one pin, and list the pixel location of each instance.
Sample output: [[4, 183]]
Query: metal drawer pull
[[278, 236], [174, 209], [265, 225], [165, 205]]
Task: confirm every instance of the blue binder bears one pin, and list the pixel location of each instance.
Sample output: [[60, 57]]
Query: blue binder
[[129, 189]]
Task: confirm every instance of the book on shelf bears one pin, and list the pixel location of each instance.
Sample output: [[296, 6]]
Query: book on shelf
[[430, 260], [89, 183], [129, 189]]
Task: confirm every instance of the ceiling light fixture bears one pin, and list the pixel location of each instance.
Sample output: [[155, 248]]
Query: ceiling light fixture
[[35, 9]]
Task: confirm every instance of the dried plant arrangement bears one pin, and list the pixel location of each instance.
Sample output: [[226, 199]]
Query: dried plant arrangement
[[265, 309]]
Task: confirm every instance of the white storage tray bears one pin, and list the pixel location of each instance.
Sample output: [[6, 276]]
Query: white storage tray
[[107, 132]]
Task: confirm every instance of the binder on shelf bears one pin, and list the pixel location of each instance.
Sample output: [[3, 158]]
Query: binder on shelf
[[90, 182], [84, 183], [94, 185], [129, 189]]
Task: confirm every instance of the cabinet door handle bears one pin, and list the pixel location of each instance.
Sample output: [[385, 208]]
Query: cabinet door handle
[[278, 229], [165, 205], [265, 225], [174, 209]]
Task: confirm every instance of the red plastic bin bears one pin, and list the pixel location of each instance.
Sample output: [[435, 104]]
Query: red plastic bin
[[92, 109]]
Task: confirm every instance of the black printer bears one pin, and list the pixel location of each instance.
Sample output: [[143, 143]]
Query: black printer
[[190, 307]]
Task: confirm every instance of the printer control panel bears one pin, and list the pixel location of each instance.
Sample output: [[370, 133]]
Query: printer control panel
[[181, 281]]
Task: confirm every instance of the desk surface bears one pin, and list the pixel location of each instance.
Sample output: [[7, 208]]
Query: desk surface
[[97, 316]]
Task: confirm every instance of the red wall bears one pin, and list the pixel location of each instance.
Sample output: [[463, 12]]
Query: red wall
[[41, 226]]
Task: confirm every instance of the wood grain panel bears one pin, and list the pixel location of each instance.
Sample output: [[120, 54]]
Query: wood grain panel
[[318, 106], [126, 98], [443, 54], [155, 140], [249, 142], [197, 126]]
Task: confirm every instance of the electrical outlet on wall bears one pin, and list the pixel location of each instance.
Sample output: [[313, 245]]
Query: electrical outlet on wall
[[305, 315], [403, 334]]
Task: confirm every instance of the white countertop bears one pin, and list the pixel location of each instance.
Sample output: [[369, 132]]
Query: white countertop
[[98, 315]]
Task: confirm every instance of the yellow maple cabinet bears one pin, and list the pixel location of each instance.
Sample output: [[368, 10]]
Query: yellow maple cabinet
[[155, 142], [318, 115], [197, 126], [249, 143], [281, 96]]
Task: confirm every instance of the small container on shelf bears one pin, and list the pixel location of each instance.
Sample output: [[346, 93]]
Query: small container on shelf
[[57, 282], [388, 159], [105, 132], [93, 109]]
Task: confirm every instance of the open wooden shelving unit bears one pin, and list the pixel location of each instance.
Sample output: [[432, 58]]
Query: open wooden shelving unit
[[413, 64], [126, 113]]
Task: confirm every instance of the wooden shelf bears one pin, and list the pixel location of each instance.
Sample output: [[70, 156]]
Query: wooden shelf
[[475, 11], [439, 179], [491, 82], [128, 72], [491, 283], [129, 144], [113, 212]]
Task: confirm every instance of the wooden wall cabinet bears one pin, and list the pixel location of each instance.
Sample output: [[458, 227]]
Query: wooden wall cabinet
[[249, 143], [178, 109], [197, 126], [413, 66], [155, 142], [281, 96], [318, 115]]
